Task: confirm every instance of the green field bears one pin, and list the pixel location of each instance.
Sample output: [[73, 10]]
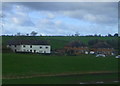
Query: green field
[[19, 65], [52, 69], [57, 41]]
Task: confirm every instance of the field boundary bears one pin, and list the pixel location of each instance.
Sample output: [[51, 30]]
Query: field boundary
[[60, 74]]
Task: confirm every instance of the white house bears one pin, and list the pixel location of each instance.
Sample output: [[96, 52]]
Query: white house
[[33, 46]]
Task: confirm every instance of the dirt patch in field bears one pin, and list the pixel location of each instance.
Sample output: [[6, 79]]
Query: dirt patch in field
[[60, 74]]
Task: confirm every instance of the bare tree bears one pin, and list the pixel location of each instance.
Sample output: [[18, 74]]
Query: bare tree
[[33, 33], [77, 34], [116, 34], [109, 35], [18, 34], [27, 34]]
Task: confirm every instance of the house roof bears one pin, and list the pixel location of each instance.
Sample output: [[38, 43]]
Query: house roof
[[27, 42], [101, 45]]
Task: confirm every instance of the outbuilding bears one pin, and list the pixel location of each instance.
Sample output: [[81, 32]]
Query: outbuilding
[[103, 48]]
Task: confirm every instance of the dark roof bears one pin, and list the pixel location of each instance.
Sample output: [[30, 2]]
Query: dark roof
[[75, 44], [27, 42], [101, 45]]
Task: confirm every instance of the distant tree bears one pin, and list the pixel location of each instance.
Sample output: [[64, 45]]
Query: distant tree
[[27, 34], [119, 45], [72, 35], [109, 35], [76, 43], [40, 34], [90, 35], [18, 34], [92, 42], [95, 35], [77, 34], [113, 43], [99, 35], [33, 33], [116, 34]]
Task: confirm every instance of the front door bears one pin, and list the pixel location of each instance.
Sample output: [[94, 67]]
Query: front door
[[34, 51]]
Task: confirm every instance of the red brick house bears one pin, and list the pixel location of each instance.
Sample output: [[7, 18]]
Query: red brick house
[[76, 48], [102, 48]]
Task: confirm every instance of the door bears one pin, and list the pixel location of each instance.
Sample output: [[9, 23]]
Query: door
[[34, 51]]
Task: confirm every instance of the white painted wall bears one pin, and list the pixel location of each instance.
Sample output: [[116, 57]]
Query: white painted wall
[[17, 48], [34, 49]]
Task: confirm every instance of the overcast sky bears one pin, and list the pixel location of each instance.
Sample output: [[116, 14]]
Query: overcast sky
[[60, 18]]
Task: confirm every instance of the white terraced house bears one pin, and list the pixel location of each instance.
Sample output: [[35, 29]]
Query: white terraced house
[[31, 46]]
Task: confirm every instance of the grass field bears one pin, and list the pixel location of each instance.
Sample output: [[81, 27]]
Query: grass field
[[28, 64], [16, 65], [44, 69]]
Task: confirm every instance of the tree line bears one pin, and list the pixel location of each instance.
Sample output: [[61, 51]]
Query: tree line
[[34, 33]]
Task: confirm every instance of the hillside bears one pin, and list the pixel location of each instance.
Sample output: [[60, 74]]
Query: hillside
[[56, 42], [22, 68]]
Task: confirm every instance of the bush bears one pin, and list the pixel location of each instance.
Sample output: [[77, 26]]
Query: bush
[[6, 50]]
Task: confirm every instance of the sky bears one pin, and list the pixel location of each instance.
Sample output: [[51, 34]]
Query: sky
[[60, 18]]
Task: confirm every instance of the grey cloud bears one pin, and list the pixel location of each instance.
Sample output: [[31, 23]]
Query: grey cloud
[[22, 21], [103, 12], [94, 7], [18, 16], [50, 27], [7, 6], [57, 6], [93, 18], [27, 23]]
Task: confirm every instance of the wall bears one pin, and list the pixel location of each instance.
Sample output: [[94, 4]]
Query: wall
[[34, 49], [17, 48]]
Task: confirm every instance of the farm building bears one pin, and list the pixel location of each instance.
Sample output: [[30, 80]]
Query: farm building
[[76, 48], [102, 48], [30, 46]]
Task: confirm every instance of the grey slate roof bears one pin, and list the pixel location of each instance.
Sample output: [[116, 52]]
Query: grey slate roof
[[101, 45], [27, 42]]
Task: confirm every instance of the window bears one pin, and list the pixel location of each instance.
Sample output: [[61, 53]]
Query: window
[[15, 45], [40, 47], [9, 45], [46, 47], [23, 45], [30, 50], [15, 50], [30, 46]]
